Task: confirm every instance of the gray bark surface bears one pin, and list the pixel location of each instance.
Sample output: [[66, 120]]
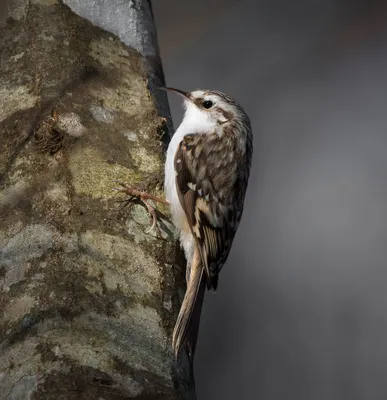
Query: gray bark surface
[[88, 298]]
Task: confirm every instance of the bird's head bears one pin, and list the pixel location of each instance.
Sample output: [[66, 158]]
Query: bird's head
[[211, 109]]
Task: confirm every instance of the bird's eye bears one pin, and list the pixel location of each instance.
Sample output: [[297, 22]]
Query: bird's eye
[[207, 104]]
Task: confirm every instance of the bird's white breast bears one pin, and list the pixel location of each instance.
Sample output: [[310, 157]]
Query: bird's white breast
[[170, 180], [194, 122]]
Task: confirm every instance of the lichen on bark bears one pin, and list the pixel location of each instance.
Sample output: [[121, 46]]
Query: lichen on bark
[[88, 297]]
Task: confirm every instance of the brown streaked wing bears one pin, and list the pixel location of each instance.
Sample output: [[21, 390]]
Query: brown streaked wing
[[203, 171]]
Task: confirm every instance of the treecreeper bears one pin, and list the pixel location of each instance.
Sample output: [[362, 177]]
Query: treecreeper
[[207, 170]]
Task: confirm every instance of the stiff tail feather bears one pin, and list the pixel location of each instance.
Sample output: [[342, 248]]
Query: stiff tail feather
[[187, 324]]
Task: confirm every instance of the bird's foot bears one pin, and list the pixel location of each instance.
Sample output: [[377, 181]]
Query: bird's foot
[[144, 197]]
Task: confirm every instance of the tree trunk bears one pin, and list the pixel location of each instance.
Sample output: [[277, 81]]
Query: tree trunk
[[88, 297]]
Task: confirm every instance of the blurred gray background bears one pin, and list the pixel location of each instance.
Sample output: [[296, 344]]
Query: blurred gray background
[[301, 309]]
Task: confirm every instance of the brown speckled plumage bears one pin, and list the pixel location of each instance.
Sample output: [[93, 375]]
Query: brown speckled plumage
[[211, 180]]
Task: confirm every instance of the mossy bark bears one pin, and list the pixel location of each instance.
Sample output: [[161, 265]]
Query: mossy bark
[[88, 298]]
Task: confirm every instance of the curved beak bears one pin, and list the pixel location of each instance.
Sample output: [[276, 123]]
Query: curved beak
[[186, 95]]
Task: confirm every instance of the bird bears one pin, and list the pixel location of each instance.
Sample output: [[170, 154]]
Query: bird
[[207, 170]]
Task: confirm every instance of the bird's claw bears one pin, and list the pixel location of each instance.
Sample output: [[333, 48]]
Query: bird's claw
[[144, 198]]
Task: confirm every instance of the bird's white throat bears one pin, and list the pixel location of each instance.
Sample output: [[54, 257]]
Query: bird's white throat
[[197, 121]]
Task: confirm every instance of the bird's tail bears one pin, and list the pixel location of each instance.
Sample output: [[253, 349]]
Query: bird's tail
[[187, 324]]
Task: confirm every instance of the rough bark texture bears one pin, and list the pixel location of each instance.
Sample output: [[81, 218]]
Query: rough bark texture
[[88, 298]]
